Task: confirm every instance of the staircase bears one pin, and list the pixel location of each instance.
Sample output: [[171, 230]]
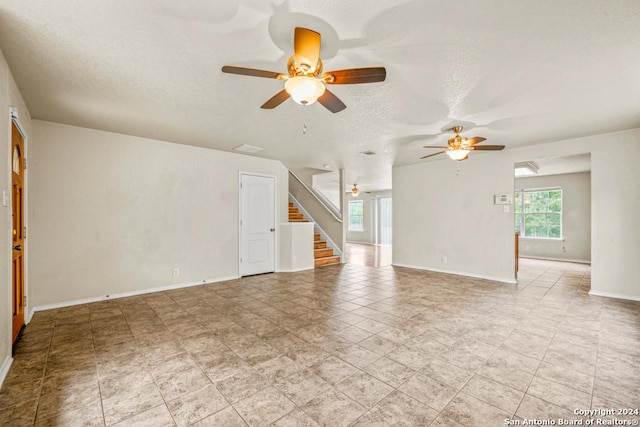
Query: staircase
[[322, 254]]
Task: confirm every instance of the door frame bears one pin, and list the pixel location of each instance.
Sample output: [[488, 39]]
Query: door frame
[[275, 216], [14, 118], [378, 222]]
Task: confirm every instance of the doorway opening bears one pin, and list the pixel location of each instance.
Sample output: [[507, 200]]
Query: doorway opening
[[552, 209], [369, 234]]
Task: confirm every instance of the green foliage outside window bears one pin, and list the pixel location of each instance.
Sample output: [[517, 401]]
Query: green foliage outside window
[[539, 213]]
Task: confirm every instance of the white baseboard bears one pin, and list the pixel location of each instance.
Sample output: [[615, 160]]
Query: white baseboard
[[4, 369], [127, 294], [578, 261], [458, 273], [614, 295], [294, 270]]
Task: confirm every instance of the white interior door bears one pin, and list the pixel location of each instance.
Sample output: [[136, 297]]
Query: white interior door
[[257, 224]]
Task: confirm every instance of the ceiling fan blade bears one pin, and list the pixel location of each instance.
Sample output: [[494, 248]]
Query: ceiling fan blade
[[433, 146], [306, 45], [475, 140], [331, 102], [487, 147], [251, 72], [355, 75], [431, 155], [276, 100]]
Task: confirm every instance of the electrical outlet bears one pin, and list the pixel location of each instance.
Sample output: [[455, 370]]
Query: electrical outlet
[[176, 272], [444, 259]]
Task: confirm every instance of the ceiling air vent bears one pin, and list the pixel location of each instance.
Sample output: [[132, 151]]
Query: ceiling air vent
[[245, 148]]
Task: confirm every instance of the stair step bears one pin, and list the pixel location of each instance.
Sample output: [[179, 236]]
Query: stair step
[[322, 253], [295, 216], [316, 236], [331, 260], [293, 210], [291, 204], [319, 244], [298, 220]]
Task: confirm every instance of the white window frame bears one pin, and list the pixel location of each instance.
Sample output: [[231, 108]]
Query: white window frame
[[353, 202], [522, 212]]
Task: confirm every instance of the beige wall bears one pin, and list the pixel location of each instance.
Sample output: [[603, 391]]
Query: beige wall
[[113, 214], [9, 96], [440, 212], [576, 218]]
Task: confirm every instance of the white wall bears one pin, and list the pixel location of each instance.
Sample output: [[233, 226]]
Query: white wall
[[112, 213], [576, 218], [328, 185], [296, 246], [438, 212], [9, 96], [615, 244], [433, 209]]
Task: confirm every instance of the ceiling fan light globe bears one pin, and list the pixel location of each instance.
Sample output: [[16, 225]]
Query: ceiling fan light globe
[[304, 90], [457, 154]]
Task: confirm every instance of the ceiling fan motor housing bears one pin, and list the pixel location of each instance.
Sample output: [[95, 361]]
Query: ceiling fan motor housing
[[298, 66]]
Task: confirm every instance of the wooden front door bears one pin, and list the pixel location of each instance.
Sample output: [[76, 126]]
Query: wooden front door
[[17, 196]]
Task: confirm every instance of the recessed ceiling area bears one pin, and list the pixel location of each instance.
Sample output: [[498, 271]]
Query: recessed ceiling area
[[559, 165], [517, 73]]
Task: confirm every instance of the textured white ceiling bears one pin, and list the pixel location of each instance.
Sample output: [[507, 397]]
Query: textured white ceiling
[[515, 72]]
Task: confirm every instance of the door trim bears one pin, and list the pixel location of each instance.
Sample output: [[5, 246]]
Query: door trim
[[276, 217], [14, 118]]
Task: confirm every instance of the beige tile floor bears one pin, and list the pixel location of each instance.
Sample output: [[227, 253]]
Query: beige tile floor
[[343, 345]]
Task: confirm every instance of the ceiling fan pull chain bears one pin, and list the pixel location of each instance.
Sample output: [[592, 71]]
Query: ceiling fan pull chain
[[304, 120]]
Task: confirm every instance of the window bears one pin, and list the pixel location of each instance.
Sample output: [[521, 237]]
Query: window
[[539, 213], [356, 220]]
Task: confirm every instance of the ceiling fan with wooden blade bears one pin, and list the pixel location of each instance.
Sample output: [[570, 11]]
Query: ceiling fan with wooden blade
[[459, 146], [487, 147], [434, 154], [305, 82]]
